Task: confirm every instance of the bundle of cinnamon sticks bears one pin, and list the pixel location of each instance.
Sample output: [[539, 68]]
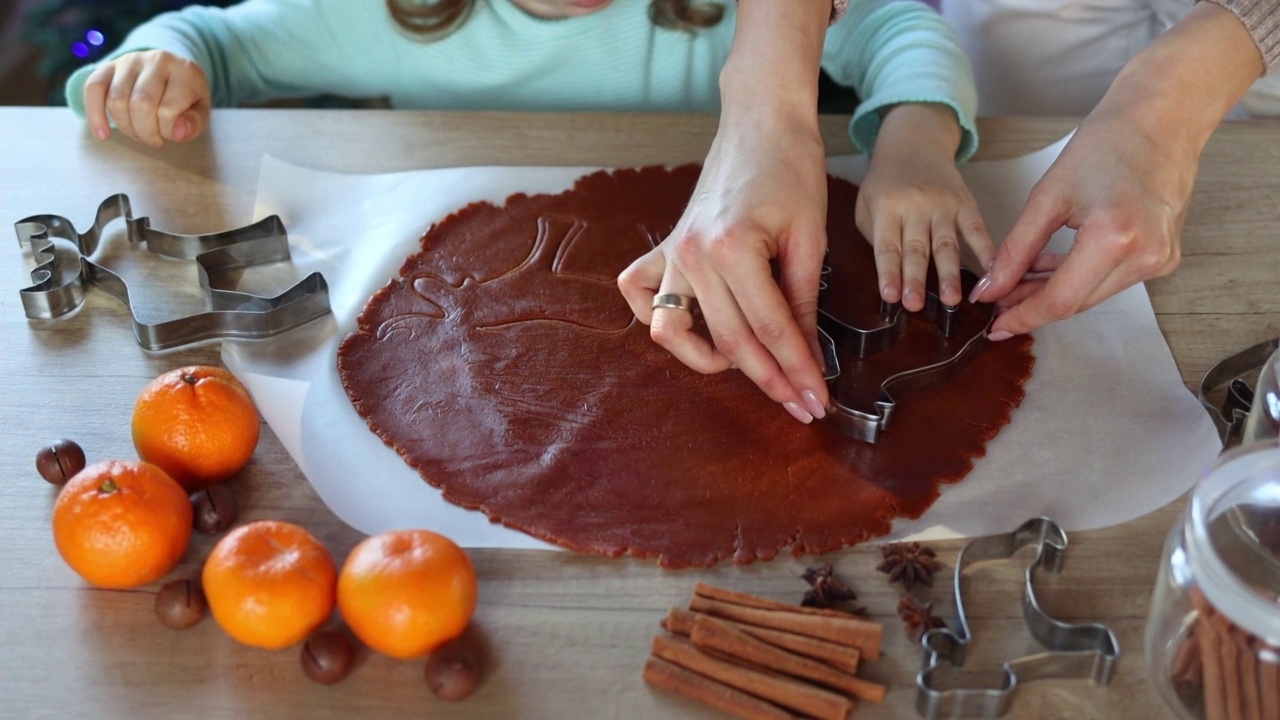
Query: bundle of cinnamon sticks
[[1235, 674], [762, 659]]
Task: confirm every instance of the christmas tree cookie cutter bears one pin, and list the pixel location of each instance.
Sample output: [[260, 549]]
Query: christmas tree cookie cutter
[[231, 314], [1085, 652], [836, 335]]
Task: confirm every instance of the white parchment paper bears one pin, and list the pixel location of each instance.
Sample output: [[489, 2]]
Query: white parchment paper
[[1107, 431]]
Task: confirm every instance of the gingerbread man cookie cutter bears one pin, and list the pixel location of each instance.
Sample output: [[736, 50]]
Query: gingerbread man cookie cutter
[[836, 335], [1071, 651], [231, 314]]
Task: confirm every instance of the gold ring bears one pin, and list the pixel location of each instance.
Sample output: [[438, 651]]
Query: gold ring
[[673, 301]]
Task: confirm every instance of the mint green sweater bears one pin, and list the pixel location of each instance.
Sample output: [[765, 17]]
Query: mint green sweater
[[502, 58]]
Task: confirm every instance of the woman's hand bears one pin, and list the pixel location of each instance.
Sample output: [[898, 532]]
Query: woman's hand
[[152, 96], [1124, 180], [914, 205], [762, 195], [1126, 194]]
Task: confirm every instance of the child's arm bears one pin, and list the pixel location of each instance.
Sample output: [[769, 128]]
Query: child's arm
[[255, 51], [916, 120]]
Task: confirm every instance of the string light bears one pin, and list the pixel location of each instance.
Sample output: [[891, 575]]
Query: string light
[[93, 39]]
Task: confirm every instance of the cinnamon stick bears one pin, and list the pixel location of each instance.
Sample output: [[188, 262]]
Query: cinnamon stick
[[1215, 702], [1185, 668], [747, 600], [1234, 700], [718, 636], [841, 657], [673, 678], [1250, 701], [791, 694], [861, 634], [1268, 678]]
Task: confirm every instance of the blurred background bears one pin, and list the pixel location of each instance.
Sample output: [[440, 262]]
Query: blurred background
[[43, 41]]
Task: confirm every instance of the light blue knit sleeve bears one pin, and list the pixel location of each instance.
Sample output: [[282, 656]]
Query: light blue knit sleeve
[[266, 49], [900, 51]]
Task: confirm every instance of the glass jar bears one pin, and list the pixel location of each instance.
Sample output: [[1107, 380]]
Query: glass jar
[[1213, 634]]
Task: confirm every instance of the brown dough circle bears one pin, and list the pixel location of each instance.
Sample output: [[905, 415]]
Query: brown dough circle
[[506, 368]]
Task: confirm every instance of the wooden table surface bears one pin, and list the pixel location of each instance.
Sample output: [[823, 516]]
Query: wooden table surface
[[569, 633]]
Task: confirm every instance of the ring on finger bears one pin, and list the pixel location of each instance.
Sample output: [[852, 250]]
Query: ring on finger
[[675, 302]]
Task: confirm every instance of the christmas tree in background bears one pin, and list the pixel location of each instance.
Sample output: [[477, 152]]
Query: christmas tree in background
[[71, 33]]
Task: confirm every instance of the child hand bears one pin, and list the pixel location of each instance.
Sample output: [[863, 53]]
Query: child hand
[[152, 96], [914, 205]]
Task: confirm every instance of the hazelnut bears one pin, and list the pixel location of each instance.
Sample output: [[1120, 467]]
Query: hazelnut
[[60, 461], [180, 604], [453, 671], [215, 508], [327, 657]]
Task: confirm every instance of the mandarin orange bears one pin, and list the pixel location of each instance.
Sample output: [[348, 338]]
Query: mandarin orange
[[269, 584], [120, 524], [406, 593], [197, 423]]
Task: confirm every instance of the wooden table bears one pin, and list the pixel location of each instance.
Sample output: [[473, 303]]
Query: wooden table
[[569, 632]]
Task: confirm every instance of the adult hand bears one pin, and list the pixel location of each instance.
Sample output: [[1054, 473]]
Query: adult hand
[[1124, 180], [1125, 193], [152, 96], [914, 205], [762, 195]]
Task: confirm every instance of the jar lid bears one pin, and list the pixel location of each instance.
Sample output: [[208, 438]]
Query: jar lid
[[1233, 537]]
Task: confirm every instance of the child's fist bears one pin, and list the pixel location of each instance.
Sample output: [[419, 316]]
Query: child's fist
[[152, 96]]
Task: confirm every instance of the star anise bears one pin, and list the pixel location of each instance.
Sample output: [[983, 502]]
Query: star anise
[[909, 562], [826, 589], [919, 618]]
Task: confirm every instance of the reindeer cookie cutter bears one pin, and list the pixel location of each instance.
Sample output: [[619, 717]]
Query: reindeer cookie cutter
[[231, 314], [1071, 651], [836, 335]]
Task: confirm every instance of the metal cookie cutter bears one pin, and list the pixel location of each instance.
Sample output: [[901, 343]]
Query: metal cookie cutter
[[231, 315], [1071, 651], [834, 334], [1231, 419]]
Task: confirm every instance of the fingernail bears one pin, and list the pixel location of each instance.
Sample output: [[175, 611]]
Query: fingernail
[[989, 264], [812, 405], [950, 291], [980, 288], [101, 133], [180, 129], [999, 335], [798, 412]]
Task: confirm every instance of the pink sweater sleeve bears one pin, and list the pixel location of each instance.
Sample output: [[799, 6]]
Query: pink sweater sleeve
[[1262, 18]]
